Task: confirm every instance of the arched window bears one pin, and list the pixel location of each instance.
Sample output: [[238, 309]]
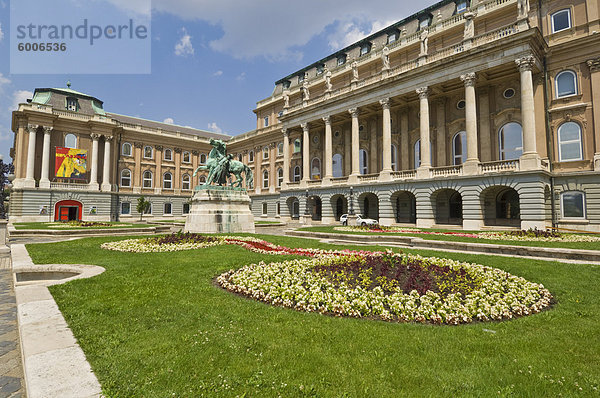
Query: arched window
[[315, 169], [459, 148], [167, 180], [186, 157], [337, 165], [417, 154], [251, 156], [572, 204], [280, 149], [147, 179], [279, 176], [297, 145], [202, 158], [125, 178], [185, 182], [364, 161], [566, 84], [297, 174], [148, 152], [168, 154], [265, 179], [394, 158], [126, 149], [265, 154], [561, 20], [510, 141], [569, 142], [70, 141]]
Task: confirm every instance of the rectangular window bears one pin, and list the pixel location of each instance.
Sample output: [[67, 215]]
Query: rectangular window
[[461, 7], [266, 121], [424, 24], [125, 208], [320, 69], [365, 48], [264, 208], [341, 60], [392, 37], [573, 204], [186, 208], [168, 209]]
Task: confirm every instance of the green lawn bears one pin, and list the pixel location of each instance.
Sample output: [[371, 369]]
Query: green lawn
[[155, 325], [57, 226], [567, 245]]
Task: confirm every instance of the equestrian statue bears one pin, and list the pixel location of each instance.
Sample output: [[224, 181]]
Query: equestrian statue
[[220, 165]]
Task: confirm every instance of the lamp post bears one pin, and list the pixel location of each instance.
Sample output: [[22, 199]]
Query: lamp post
[[351, 209], [306, 212], [6, 176]]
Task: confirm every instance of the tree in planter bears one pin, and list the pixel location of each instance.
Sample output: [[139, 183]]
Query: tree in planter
[[143, 206]]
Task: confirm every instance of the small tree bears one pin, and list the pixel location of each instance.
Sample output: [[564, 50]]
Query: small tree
[[143, 206]]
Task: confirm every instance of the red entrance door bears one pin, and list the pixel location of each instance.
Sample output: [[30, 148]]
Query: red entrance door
[[68, 210]]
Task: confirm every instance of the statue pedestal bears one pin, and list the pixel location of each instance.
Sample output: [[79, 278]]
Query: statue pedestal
[[218, 209]]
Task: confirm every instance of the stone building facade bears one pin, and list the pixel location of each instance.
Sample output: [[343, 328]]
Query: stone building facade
[[474, 114]]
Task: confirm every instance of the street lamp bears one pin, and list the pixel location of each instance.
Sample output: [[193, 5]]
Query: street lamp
[[6, 176], [351, 210], [306, 212]]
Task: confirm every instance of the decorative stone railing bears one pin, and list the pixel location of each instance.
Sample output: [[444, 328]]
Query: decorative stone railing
[[499, 166], [313, 182], [404, 174], [339, 180], [446, 171], [368, 177], [293, 183], [68, 186]]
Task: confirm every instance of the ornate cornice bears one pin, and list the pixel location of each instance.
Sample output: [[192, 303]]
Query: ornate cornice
[[108, 138], [285, 132], [327, 120], [138, 144], [525, 63], [177, 150], [32, 128], [195, 153], [469, 79], [48, 129], [95, 136], [304, 126], [354, 112], [158, 147]]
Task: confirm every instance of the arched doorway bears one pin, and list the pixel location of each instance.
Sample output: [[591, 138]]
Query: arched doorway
[[447, 204], [501, 206], [405, 207], [317, 208], [293, 205], [339, 204], [68, 210], [369, 205]]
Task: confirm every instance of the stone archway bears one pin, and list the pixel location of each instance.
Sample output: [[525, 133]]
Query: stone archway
[[368, 204], [501, 206], [339, 205], [68, 210], [447, 206], [404, 204], [293, 205]]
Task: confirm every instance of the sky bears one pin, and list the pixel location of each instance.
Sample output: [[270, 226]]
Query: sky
[[212, 60]]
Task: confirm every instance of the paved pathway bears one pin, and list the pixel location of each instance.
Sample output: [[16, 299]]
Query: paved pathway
[[11, 365]]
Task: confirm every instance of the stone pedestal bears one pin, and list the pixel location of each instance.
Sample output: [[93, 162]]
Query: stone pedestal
[[217, 209], [4, 237]]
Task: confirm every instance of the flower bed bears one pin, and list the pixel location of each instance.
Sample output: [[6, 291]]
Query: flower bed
[[84, 224], [391, 287], [533, 235]]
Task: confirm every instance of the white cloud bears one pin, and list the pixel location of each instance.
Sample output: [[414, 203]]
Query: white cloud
[[19, 97], [169, 120], [346, 33], [291, 24], [184, 46], [241, 76], [3, 81], [1, 33], [213, 127], [218, 73]]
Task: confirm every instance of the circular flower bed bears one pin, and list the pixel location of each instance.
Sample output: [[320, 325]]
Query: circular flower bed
[[391, 287], [533, 235]]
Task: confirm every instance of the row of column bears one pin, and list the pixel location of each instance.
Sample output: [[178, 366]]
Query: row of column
[[44, 182], [529, 160]]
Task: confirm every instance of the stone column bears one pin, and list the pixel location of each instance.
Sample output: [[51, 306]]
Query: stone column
[[194, 180], [257, 169], [471, 165], [273, 177], [594, 65], [373, 166], [137, 172], [94, 170], [530, 159], [485, 134], [328, 161], [442, 144], [404, 141], [158, 180], [386, 170], [29, 176], [106, 169], [44, 181], [423, 170], [305, 153], [177, 176], [355, 146], [286, 158], [347, 152]]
